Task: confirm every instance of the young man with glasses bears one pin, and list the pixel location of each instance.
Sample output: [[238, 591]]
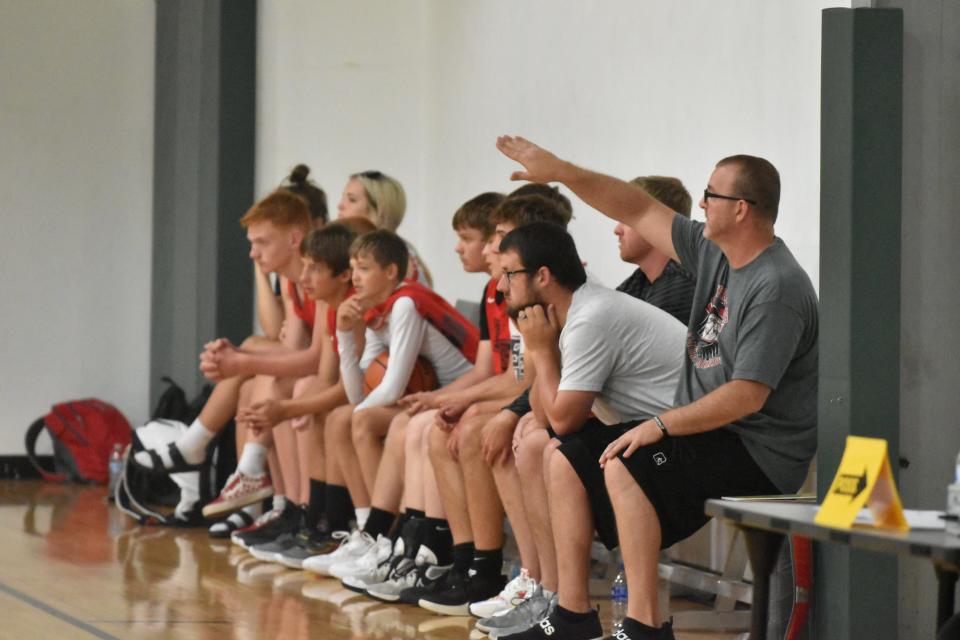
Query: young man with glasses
[[745, 416], [603, 360]]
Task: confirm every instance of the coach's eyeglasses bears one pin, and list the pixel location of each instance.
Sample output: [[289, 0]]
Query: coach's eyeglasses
[[709, 194], [509, 274]]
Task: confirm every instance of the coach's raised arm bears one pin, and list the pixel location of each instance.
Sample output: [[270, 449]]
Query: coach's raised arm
[[611, 196]]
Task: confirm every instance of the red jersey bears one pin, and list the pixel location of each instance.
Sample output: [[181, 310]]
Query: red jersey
[[435, 310], [306, 309], [498, 326]]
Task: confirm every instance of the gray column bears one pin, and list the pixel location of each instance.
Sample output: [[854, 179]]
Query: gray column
[[203, 181], [861, 140], [930, 370]]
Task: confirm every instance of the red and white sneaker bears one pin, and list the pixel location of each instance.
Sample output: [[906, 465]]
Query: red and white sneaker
[[240, 491]]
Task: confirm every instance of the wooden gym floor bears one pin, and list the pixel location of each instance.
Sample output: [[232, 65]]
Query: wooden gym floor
[[71, 566]]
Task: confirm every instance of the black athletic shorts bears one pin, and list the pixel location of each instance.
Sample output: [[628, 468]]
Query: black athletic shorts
[[679, 474], [583, 449], [520, 406]]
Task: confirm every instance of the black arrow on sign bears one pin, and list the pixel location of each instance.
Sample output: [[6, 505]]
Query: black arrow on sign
[[851, 485]]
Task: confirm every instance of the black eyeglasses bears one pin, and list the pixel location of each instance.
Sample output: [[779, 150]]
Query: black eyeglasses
[[371, 175], [709, 194], [510, 274]]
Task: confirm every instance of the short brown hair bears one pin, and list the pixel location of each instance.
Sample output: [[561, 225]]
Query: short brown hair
[[330, 245], [546, 191], [385, 247], [281, 208], [475, 213], [757, 179], [526, 209], [669, 191]]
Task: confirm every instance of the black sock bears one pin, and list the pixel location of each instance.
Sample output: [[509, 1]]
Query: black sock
[[573, 616], [414, 513], [378, 522], [317, 504], [439, 540], [339, 508], [462, 556], [638, 628], [488, 562]]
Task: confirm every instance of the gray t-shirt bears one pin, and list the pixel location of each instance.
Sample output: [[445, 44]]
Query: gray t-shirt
[[758, 322], [627, 351]]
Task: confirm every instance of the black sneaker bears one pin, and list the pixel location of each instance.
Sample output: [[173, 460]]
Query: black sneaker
[[633, 630], [288, 522], [428, 577], [554, 626], [458, 590]]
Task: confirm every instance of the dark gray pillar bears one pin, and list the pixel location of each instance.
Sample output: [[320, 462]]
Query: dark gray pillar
[[861, 146], [203, 181]]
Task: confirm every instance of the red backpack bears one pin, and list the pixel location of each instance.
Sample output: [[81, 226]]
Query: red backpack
[[83, 434]]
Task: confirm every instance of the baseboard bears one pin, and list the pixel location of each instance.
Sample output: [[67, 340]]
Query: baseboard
[[19, 467]]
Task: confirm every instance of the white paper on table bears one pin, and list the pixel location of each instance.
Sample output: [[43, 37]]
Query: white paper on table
[[916, 518]]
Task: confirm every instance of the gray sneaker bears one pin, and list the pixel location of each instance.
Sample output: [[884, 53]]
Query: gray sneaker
[[403, 575], [524, 616]]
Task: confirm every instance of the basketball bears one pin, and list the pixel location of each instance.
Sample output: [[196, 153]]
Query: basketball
[[422, 378]]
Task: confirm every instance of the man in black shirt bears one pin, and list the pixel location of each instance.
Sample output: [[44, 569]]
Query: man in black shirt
[[658, 279]]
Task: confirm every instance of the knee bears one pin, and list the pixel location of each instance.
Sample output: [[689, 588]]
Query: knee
[[336, 429], [302, 384], [437, 443], [617, 478], [361, 428], [562, 474], [530, 454], [470, 441]]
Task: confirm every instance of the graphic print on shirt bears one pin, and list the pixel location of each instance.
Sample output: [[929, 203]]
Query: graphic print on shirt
[[516, 354], [704, 348]]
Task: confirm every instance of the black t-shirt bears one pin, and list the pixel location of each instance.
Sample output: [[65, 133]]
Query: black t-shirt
[[672, 291]]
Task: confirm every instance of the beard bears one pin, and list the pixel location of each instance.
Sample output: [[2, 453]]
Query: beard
[[514, 309]]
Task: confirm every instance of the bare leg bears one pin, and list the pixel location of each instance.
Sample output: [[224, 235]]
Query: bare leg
[[388, 487], [432, 503], [483, 503], [342, 455], [369, 427], [414, 460], [530, 467], [285, 444], [639, 530], [573, 533], [453, 493], [309, 444]]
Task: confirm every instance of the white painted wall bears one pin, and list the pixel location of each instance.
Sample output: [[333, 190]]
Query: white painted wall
[[76, 116], [421, 89]]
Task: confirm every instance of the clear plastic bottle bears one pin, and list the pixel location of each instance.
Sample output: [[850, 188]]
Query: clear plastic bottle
[[618, 601], [115, 469]]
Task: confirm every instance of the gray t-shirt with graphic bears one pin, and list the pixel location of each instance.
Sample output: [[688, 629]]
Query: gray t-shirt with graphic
[[758, 322]]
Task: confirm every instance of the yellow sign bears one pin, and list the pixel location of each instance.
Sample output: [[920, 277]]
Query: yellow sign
[[864, 478]]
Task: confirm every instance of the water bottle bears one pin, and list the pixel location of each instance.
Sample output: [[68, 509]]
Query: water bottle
[[115, 468], [618, 601]]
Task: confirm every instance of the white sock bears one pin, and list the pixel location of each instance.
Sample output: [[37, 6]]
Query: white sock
[[279, 502], [192, 445], [362, 513], [253, 460]]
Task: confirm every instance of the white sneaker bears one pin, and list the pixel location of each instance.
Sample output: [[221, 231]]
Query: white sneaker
[[354, 546], [366, 565], [516, 591]]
